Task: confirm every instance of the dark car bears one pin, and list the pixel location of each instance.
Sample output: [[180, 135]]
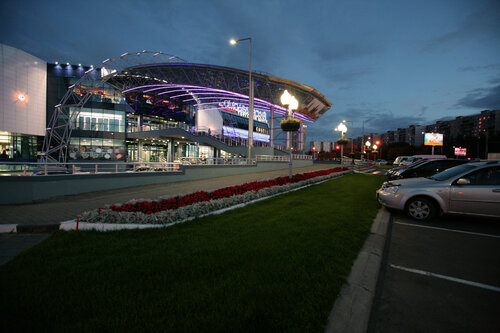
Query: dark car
[[425, 169]]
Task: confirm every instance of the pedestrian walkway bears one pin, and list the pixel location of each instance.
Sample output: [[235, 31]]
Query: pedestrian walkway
[[66, 208], [13, 244]]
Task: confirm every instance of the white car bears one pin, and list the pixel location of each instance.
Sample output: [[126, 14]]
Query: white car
[[472, 188]]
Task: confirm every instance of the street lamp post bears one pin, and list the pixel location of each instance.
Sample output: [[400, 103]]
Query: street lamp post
[[352, 137], [342, 128], [363, 139], [291, 103], [368, 144], [250, 97], [375, 152]]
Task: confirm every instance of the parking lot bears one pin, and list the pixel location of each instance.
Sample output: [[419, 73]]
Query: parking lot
[[442, 276]]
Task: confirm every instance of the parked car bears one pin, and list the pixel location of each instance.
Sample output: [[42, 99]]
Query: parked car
[[399, 160], [381, 162], [414, 158], [471, 189], [424, 168], [403, 167]]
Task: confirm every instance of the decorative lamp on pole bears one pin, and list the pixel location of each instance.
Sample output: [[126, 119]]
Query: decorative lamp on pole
[[250, 96], [342, 128], [375, 151], [290, 124], [368, 149], [379, 145], [352, 138]]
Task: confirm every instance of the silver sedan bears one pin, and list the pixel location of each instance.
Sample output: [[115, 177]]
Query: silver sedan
[[472, 188]]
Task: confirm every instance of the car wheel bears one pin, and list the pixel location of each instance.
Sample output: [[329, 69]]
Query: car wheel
[[421, 209]]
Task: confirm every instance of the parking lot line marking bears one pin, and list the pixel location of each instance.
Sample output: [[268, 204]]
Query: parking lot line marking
[[449, 278], [446, 229]]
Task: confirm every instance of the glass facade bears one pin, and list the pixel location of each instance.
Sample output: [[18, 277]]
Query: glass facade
[[19, 146], [101, 120], [96, 149], [101, 130]]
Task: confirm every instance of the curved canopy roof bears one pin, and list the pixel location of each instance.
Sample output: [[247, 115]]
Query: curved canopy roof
[[207, 84]]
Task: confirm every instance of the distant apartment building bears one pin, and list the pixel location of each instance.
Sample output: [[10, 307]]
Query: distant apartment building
[[486, 123], [324, 146]]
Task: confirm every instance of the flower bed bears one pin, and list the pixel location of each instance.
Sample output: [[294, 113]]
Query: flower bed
[[178, 208]]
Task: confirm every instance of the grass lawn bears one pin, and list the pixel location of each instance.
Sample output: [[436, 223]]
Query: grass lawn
[[274, 266]]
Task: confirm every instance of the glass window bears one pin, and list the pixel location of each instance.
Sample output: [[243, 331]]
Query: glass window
[[486, 176]]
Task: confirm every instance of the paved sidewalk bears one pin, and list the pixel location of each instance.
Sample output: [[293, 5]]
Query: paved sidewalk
[[66, 208], [13, 244]]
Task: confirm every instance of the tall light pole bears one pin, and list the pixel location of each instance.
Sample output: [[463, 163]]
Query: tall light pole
[[368, 144], [250, 96], [291, 103], [342, 128], [352, 136], [363, 139]]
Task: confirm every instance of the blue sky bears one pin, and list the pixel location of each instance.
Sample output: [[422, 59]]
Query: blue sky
[[390, 63]]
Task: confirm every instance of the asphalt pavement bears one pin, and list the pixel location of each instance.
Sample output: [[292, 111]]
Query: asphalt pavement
[[441, 276]]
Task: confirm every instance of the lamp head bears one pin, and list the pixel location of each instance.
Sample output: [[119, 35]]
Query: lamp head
[[342, 128], [233, 41]]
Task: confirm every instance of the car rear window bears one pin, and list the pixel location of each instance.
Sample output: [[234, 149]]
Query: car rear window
[[448, 173]]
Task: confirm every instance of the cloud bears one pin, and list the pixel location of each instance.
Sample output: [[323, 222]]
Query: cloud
[[481, 68], [482, 98], [339, 51], [483, 24]]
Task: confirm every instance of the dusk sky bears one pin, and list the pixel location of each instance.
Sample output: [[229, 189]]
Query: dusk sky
[[390, 63]]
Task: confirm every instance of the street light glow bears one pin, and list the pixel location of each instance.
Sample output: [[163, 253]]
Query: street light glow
[[342, 128], [233, 41], [289, 101]]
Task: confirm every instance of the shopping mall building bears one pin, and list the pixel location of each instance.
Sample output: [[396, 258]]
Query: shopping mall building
[[143, 106]]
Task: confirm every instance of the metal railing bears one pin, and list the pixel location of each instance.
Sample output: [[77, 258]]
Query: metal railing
[[283, 158], [302, 157], [273, 158], [156, 127], [215, 161], [82, 168]]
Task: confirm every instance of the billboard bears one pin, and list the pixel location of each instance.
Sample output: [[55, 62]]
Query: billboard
[[433, 139], [460, 151]]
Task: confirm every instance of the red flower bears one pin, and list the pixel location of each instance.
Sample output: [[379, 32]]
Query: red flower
[[226, 192]]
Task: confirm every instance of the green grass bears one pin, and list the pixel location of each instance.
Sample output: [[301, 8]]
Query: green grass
[[274, 266]]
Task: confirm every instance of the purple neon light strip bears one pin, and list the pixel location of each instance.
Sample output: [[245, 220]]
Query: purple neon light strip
[[166, 86], [260, 108]]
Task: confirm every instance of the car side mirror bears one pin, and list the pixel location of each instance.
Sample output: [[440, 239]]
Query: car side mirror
[[463, 181]]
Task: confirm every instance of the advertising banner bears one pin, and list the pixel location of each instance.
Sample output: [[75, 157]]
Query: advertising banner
[[433, 139], [460, 151]]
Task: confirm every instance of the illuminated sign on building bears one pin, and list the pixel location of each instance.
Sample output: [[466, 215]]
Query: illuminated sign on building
[[242, 110], [243, 134], [433, 139]]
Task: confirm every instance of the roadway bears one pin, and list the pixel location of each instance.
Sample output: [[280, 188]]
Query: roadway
[[442, 276]]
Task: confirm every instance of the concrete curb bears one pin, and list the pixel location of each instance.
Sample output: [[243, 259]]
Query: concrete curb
[[71, 224], [351, 311]]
